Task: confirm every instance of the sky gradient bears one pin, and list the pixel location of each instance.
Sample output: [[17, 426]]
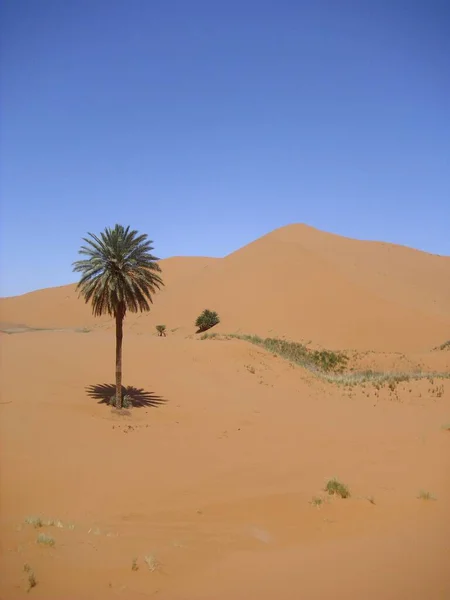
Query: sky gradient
[[208, 124]]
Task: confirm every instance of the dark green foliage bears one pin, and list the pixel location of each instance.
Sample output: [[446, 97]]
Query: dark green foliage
[[330, 361], [207, 320], [336, 488], [161, 329], [119, 273]]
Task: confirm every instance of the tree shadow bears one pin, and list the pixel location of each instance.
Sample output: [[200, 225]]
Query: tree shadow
[[139, 397]]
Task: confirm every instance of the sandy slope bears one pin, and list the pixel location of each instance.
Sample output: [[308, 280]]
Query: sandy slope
[[61, 307], [216, 480], [213, 475], [296, 282]]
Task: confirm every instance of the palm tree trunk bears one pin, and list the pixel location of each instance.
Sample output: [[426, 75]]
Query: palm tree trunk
[[119, 336]]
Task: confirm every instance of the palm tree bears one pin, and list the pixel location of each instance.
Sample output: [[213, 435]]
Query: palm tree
[[119, 274]]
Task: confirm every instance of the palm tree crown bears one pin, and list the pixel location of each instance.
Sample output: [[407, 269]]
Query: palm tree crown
[[119, 273]]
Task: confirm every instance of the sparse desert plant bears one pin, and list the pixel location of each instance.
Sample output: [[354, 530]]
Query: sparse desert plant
[[134, 565], [119, 274], [423, 495], [446, 426], [161, 329], [316, 501], [36, 521], [327, 364], [206, 320], [152, 562], [45, 539], [444, 346], [32, 582], [336, 488], [371, 499]]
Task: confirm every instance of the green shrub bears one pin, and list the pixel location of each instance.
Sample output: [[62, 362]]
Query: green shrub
[[161, 329], [206, 320], [336, 488]]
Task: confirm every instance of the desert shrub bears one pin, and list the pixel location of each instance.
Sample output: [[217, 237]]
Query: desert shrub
[[324, 360], [161, 329], [45, 539], [206, 320], [423, 495], [328, 360], [336, 488]]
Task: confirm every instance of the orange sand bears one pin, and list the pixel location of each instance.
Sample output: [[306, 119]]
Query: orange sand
[[215, 480]]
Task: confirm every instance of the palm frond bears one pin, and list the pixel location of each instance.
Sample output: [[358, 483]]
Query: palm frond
[[119, 271]]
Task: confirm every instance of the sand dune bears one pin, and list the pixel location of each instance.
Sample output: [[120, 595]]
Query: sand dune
[[214, 473], [61, 307], [215, 480], [296, 282]]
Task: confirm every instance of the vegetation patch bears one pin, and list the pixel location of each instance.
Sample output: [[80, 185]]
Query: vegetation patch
[[317, 501], [329, 365], [32, 582], [35, 521], [134, 565], [206, 320], [444, 346], [423, 495], [161, 329], [336, 488], [315, 360], [45, 539]]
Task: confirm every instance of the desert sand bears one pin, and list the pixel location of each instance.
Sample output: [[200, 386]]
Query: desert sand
[[212, 474]]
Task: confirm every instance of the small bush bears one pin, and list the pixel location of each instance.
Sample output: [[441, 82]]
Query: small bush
[[45, 539], [37, 522], [206, 320], [425, 495], [134, 565], [317, 501], [335, 488], [32, 582], [161, 329], [327, 360]]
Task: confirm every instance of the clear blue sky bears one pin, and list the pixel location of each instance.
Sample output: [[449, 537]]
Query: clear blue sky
[[207, 124]]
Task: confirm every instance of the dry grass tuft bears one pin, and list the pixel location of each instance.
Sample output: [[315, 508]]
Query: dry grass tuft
[[45, 539], [336, 488]]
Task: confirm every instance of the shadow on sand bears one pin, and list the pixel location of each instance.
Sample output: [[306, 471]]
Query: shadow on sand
[[139, 397]]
